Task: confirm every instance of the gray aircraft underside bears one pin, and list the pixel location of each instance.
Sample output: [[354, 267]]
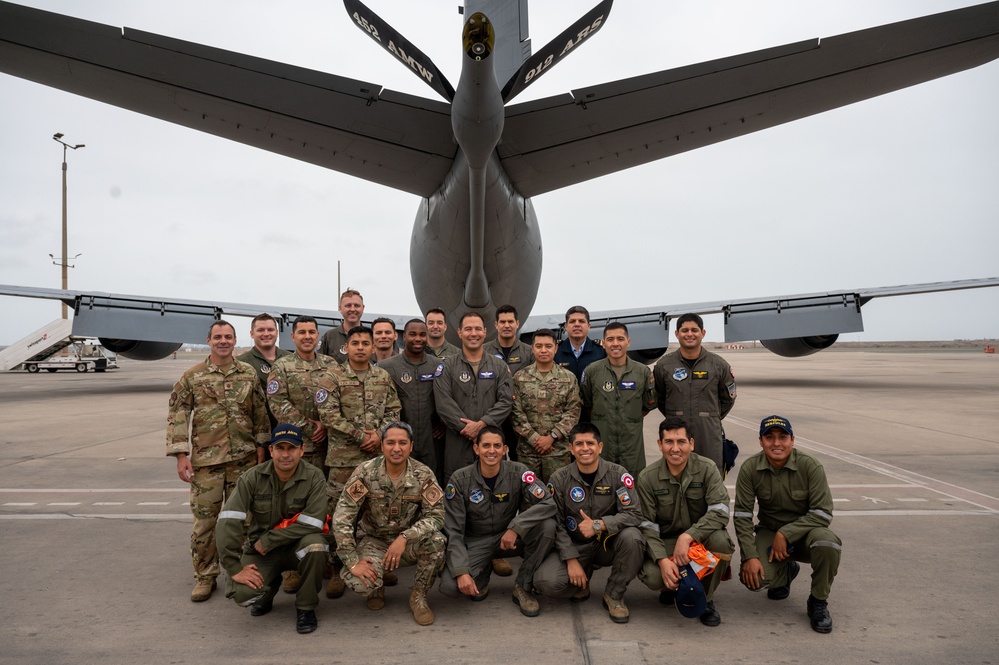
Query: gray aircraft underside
[[474, 158]]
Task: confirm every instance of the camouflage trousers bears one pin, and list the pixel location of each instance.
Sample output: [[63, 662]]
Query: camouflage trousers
[[543, 465], [336, 478], [426, 553], [210, 487]]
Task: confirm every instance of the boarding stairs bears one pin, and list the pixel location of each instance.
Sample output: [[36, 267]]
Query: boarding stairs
[[39, 345]]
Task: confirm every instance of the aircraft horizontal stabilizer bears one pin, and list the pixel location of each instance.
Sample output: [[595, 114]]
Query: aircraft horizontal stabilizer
[[392, 41], [556, 49]]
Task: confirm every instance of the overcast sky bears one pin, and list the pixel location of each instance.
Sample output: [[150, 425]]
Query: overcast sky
[[895, 190]]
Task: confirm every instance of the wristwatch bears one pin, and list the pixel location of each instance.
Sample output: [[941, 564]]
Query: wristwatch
[[598, 527]]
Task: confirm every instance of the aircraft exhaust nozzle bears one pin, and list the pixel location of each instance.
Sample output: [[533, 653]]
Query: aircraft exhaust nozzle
[[478, 36]]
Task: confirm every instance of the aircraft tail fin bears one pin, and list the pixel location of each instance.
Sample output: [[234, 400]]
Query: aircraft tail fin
[[392, 41], [556, 49]]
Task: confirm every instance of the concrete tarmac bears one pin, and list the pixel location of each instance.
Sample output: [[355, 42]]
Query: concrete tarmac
[[95, 563]]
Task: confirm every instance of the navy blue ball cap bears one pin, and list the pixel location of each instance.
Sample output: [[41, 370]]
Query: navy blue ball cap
[[691, 600], [287, 434], [779, 422]]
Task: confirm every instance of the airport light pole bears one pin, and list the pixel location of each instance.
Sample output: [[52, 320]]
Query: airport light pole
[[64, 260]]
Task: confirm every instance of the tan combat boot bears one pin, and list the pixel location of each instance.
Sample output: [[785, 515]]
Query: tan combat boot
[[525, 599], [420, 609], [616, 608], [335, 587], [203, 589], [502, 567], [291, 581], [376, 599]]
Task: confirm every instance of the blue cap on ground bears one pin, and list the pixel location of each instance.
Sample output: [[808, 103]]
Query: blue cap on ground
[[691, 601]]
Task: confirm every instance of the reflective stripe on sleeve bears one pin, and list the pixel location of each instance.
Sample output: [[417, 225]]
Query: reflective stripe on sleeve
[[723, 507], [310, 549], [739, 513], [821, 513], [649, 525], [310, 521], [232, 515], [826, 543]]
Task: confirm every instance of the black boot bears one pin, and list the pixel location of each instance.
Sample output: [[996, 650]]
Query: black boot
[[818, 615]]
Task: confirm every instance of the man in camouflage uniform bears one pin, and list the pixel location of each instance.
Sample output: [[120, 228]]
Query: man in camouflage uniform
[[397, 507], [292, 386], [495, 506], [286, 504], [291, 390], [413, 373], [596, 520], [698, 386], [221, 403], [546, 406], [437, 344], [355, 400], [617, 394], [684, 501], [334, 344], [265, 352]]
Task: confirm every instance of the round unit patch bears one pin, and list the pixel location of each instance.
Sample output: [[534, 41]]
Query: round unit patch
[[577, 494], [322, 395], [451, 491], [273, 387], [628, 481], [528, 477], [570, 524]]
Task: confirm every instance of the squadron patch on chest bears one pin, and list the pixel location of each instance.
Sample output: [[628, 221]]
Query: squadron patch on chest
[[680, 373], [406, 377], [357, 490]]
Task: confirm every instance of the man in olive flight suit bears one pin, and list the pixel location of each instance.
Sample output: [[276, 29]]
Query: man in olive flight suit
[[285, 499], [795, 511], [482, 521], [617, 394]]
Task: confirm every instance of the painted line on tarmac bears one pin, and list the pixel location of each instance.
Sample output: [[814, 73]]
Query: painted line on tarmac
[[86, 490], [939, 486], [149, 517]]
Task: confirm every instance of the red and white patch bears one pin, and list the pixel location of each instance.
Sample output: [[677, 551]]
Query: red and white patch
[[528, 477], [628, 481]]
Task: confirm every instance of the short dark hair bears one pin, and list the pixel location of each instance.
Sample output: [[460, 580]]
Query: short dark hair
[[616, 325], [673, 422], [303, 319], [396, 424], [577, 309], [688, 318], [413, 322], [435, 310], [220, 322], [464, 316], [543, 332], [490, 429], [383, 319], [584, 428], [360, 330], [506, 309], [264, 316]]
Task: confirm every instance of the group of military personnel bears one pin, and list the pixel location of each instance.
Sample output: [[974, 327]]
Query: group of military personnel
[[406, 462]]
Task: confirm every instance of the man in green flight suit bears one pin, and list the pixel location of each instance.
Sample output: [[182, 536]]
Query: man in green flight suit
[[795, 511], [285, 500], [617, 394]]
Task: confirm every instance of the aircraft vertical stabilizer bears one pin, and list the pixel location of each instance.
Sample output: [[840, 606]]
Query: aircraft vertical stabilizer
[[513, 40]]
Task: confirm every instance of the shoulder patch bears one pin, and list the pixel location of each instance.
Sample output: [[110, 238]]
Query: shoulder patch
[[451, 491], [432, 493], [357, 490], [528, 477], [627, 480], [273, 386]]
